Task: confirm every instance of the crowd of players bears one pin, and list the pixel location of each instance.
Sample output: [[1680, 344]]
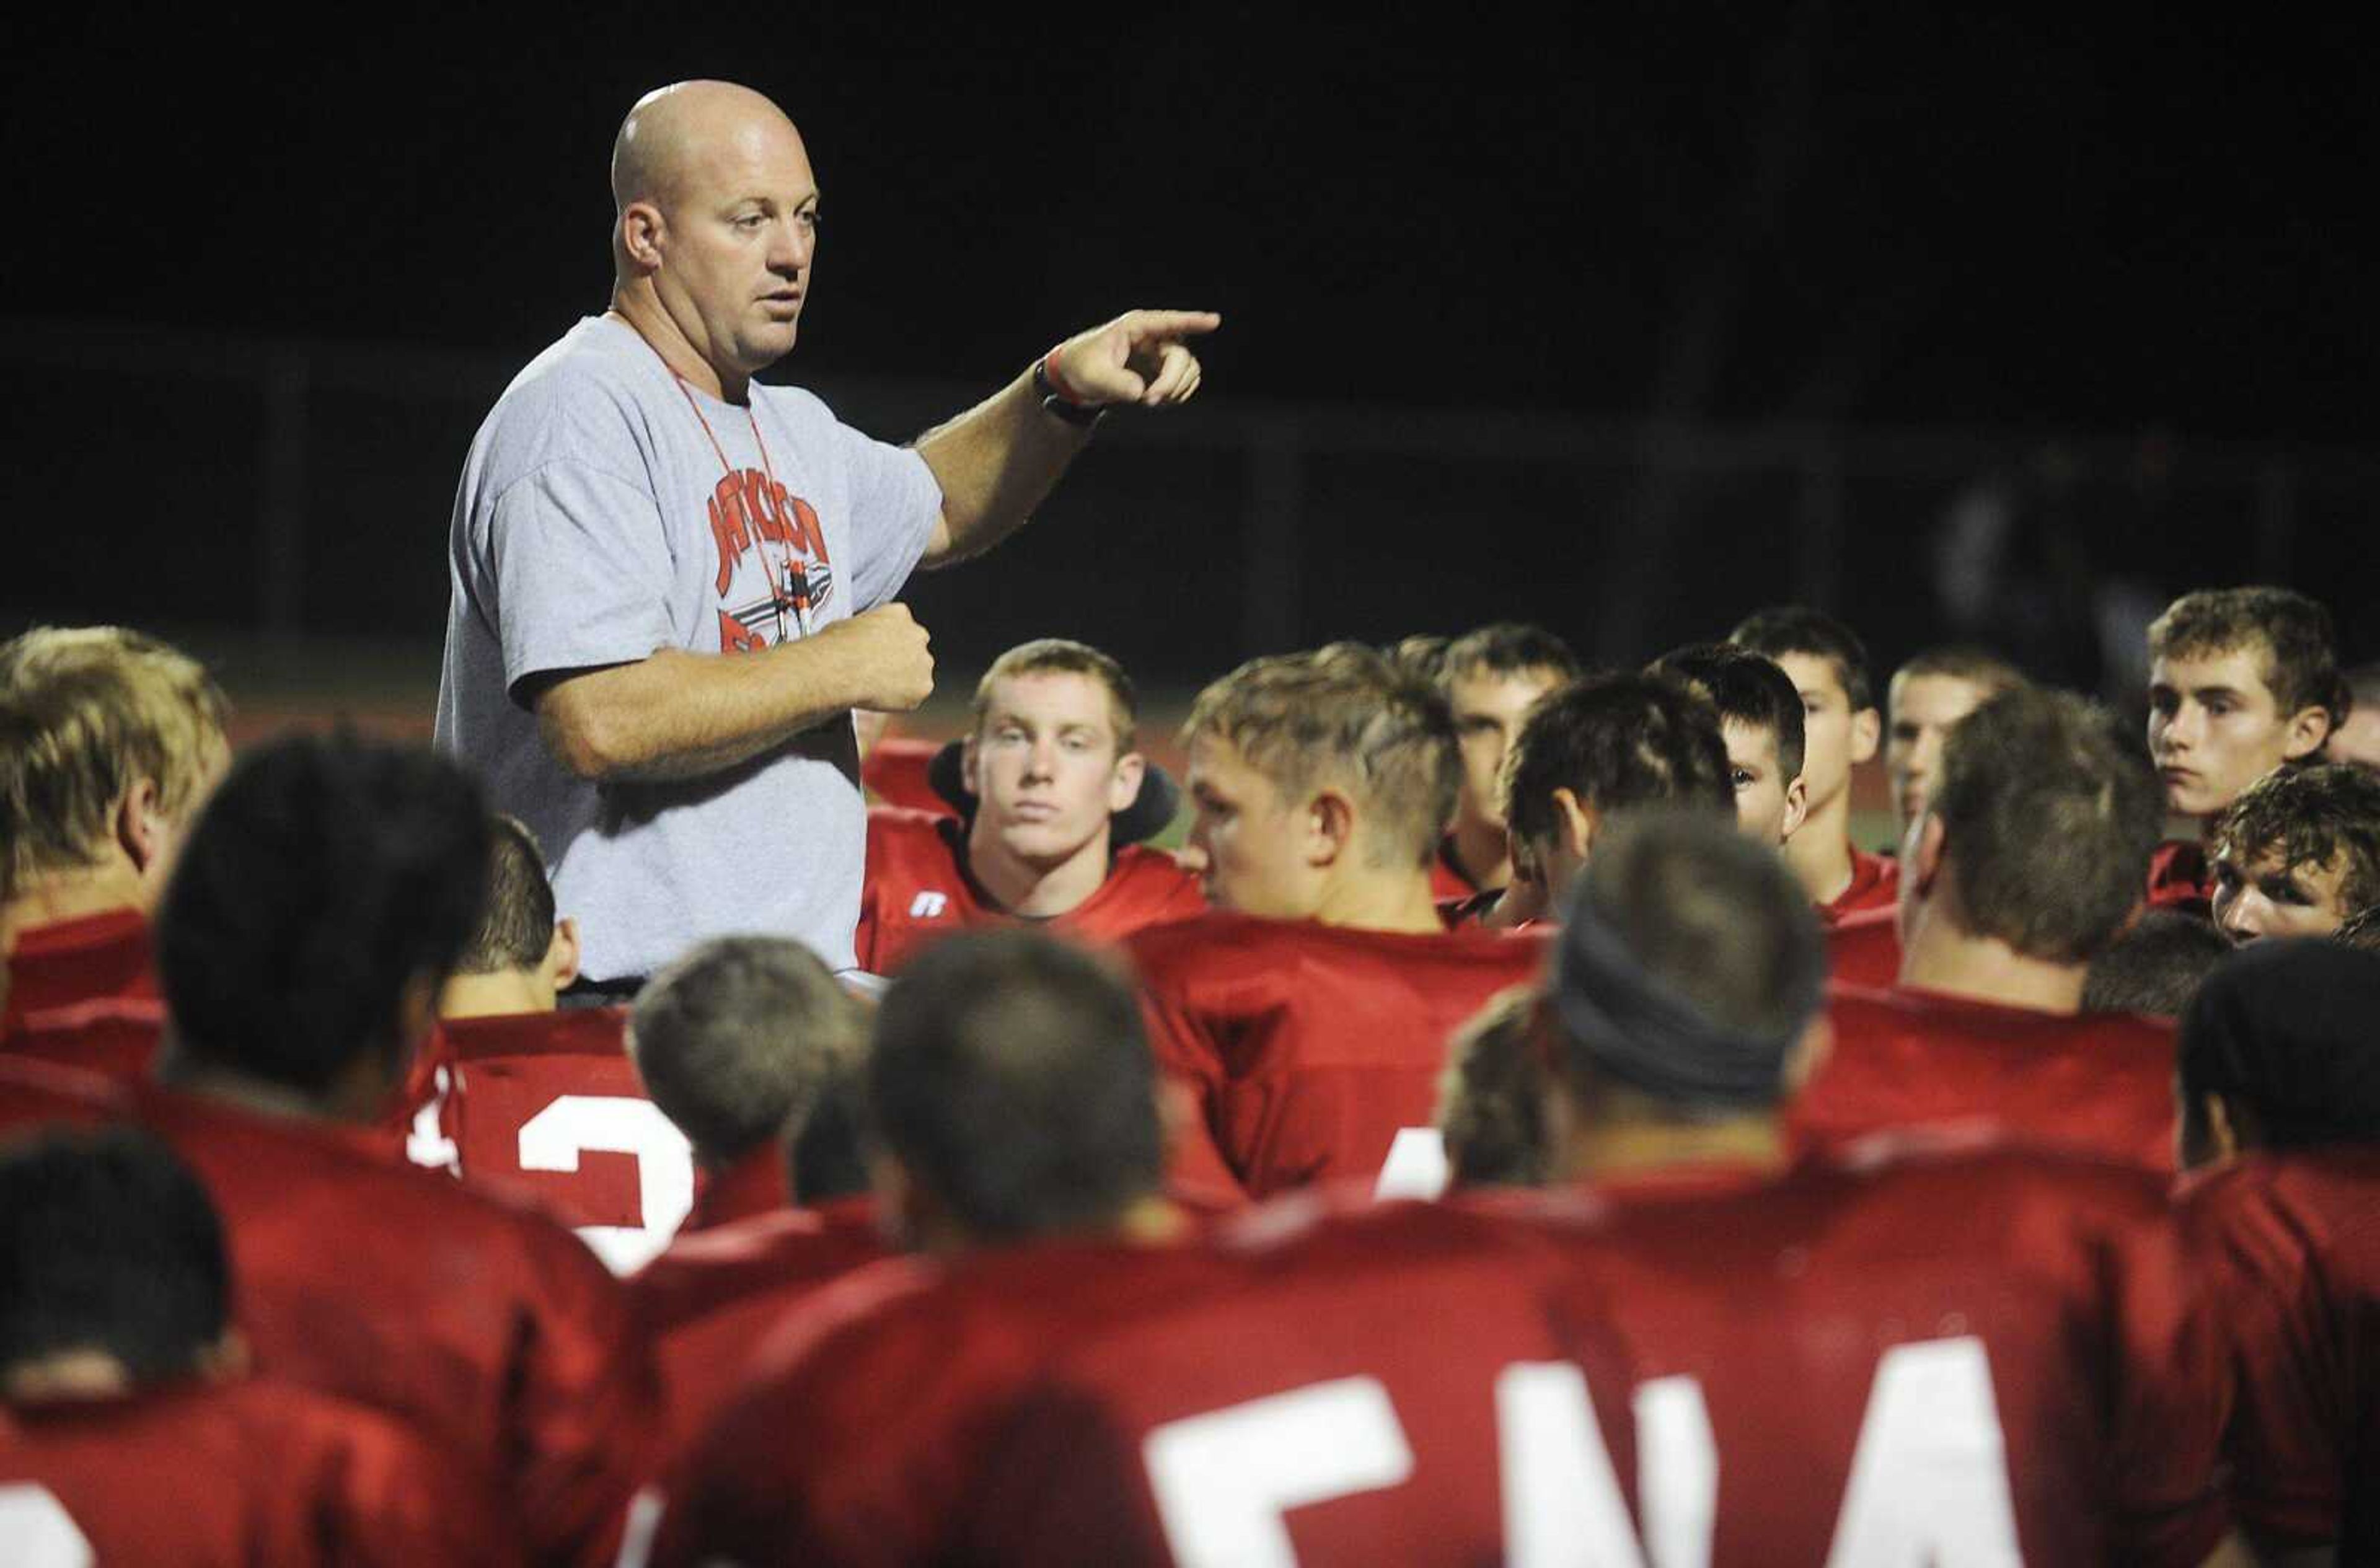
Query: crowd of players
[[1519, 1125]]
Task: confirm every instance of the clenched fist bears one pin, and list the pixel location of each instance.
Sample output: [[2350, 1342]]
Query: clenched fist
[[890, 660]]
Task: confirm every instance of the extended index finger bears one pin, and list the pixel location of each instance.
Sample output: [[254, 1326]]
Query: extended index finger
[[1172, 324]]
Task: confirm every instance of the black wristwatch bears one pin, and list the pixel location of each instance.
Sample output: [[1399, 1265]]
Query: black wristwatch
[[1082, 416]]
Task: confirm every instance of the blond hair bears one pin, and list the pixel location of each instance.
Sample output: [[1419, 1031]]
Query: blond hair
[[1058, 656], [1343, 715], [86, 712]]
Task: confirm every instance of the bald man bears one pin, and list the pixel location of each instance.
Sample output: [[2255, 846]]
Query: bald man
[[671, 584]]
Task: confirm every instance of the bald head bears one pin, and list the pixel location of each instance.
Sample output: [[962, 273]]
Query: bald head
[[672, 129]]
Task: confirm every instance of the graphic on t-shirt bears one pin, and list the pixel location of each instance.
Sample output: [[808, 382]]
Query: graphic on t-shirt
[[749, 511]]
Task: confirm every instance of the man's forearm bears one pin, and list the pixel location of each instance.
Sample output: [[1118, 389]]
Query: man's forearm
[[680, 715], [995, 462]]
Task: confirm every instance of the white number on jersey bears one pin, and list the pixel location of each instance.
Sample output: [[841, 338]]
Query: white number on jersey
[[37, 1532], [1415, 1167], [1223, 1481], [427, 1145], [574, 1123]]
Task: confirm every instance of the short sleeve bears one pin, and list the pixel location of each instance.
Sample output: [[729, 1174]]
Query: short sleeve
[[582, 572], [895, 502]]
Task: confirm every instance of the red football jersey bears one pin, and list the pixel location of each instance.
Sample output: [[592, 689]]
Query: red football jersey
[[549, 1103], [706, 1302], [918, 888], [34, 1092], [66, 962], [2099, 1082], [252, 1472], [1999, 1356], [754, 1186], [485, 1325], [1875, 884], [1448, 881], [1863, 949], [864, 1427], [895, 771], [2295, 1240], [1309, 1047], [2180, 876], [114, 1036]]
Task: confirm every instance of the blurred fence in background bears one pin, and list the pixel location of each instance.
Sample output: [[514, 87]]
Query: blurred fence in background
[[299, 493]]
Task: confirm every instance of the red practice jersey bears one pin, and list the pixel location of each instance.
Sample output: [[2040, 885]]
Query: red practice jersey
[[755, 1185], [548, 1103], [485, 1325], [2002, 1355], [896, 772], [2295, 1240], [93, 957], [865, 1429], [253, 1472], [34, 1093], [1309, 1048], [1449, 882], [2180, 877], [918, 888], [1863, 949], [2100, 1082], [114, 1036], [706, 1304], [1875, 884]]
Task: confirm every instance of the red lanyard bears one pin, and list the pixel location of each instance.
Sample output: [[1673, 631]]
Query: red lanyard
[[795, 594]]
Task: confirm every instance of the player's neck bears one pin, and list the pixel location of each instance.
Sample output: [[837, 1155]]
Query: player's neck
[[87, 1372], [636, 304], [1820, 852], [1378, 901], [1483, 854], [1602, 1149], [1033, 889], [1940, 956], [51, 897], [498, 995]]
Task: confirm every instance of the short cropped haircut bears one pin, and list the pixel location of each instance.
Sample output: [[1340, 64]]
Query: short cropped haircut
[[517, 925], [1508, 648], [1343, 715], [1748, 688], [2292, 633], [1422, 655], [1491, 1097], [1964, 662], [736, 1039], [1615, 742], [2154, 968], [1011, 1079], [1057, 656], [324, 874], [2050, 820], [1797, 628], [2311, 815], [85, 713], [1712, 917], [108, 1242]]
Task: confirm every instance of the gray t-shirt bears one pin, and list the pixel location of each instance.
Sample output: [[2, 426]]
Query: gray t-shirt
[[600, 520]]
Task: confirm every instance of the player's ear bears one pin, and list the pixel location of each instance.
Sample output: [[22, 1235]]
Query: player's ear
[[1574, 824], [561, 965], [967, 767], [1124, 783], [1797, 805], [139, 826], [641, 230], [1867, 728], [2308, 728], [1329, 827]]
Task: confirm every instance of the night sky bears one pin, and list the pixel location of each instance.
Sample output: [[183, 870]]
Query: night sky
[[1908, 217]]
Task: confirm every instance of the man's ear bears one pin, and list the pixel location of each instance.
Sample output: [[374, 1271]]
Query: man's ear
[[1328, 827], [967, 767], [1867, 728], [1124, 783], [1575, 823], [1797, 806], [561, 965], [2308, 729], [1926, 841], [643, 228], [141, 827]]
